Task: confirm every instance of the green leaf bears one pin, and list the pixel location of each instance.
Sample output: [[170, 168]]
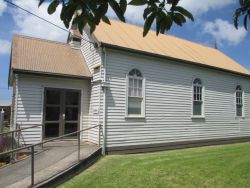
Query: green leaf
[[102, 10], [123, 5], [166, 23], [184, 12], [91, 24], [138, 2], [115, 6], [67, 14], [236, 17], [40, 3], [106, 20], [81, 21], [146, 13], [179, 19], [148, 23], [245, 21], [159, 20], [52, 7], [242, 2]]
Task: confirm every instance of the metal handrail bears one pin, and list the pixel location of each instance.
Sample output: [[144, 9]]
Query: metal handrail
[[32, 146], [45, 141], [17, 130]]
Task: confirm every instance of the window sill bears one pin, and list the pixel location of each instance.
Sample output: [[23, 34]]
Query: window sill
[[197, 117], [134, 117]]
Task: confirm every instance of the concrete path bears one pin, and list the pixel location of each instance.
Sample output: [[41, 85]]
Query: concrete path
[[53, 159]]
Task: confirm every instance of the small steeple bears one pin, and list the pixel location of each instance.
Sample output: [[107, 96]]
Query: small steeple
[[215, 45], [74, 38]]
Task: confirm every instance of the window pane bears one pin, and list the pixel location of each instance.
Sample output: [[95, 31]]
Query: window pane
[[197, 108], [238, 88], [138, 73], [139, 92], [71, 113], [135, 83], [131, 82], [52, 113], [72, 98], [132, 73], [134, 106], [53, 97], [70, 128], [135, 72], [130, 90], [197, 93], [197, 81], [239, 97], [140, 84], [239, 110], [51, 129], [135, 92]]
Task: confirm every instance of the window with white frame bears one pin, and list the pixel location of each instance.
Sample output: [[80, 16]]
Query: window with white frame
[[135, 93], [197, 97], [239, 101]]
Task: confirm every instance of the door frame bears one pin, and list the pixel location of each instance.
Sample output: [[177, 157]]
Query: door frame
[[62, 105]]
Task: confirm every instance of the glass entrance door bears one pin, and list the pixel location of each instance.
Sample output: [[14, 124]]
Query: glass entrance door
[[71, 112], [61, 112]]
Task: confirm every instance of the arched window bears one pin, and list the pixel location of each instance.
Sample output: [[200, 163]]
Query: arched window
[[239, 101], [135, 100], [197, 97]]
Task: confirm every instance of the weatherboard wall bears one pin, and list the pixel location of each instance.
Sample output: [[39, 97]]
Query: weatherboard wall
[[168, 105], [93, 58]]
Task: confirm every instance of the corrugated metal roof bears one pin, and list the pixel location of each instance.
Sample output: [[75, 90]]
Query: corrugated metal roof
[[44, 56], [130, 37]]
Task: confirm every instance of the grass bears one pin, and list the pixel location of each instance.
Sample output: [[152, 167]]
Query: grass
[[214, 166]]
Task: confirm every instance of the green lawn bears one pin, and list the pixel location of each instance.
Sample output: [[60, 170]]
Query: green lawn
[[214, 166]]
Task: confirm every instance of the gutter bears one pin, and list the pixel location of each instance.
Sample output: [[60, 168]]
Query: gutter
[[50, 74], [139, 52]]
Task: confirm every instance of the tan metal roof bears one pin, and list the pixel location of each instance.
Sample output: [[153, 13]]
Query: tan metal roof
[[47, 57], [130, 36]]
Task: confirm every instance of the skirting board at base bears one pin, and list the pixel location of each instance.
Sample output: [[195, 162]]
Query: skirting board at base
[[173, 145]]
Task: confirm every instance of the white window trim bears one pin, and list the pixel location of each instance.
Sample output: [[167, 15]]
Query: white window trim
[[243, 103], [142, 116], [202, 116]]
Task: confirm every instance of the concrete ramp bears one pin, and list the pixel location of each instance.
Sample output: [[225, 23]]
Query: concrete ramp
[[56, 162]]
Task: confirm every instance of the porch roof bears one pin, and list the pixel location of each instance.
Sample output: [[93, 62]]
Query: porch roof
[[33, 55]]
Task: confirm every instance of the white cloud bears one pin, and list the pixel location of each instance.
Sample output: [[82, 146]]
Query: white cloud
[[4, 46], [29, 25], [3, 7], [134, 14], [223, 31], [202, 7]]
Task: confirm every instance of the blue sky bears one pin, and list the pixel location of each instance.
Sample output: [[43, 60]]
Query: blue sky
[[213, 22]]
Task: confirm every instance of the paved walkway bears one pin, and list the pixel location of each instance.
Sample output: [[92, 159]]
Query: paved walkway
[[53, 159]]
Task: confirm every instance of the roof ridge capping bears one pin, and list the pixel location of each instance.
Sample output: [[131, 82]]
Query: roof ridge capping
[[39, 39], [129, 36]]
